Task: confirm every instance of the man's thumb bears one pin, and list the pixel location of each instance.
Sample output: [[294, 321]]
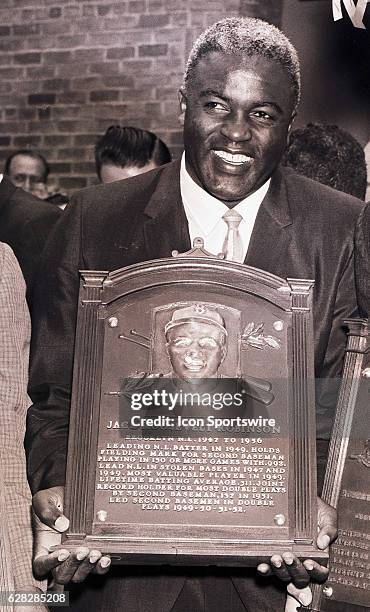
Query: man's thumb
[[48, 507]]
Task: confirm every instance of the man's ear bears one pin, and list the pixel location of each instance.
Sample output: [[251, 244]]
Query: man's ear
[[182, 103]]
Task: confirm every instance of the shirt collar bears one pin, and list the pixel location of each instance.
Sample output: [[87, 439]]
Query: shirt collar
[[208, 214]]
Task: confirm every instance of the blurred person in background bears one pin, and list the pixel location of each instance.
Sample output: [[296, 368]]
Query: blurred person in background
[[330, 155], [29, 170], [25, 223], [127, 151], [333, 157]]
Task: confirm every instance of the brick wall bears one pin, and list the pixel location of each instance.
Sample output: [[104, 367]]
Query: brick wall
[[71, 68]]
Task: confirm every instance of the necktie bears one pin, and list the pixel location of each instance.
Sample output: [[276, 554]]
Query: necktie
[[233, 246]]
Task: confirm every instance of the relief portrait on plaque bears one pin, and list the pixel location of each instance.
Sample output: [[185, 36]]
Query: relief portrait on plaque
[[195, 375], [196, 342], [191, 349]]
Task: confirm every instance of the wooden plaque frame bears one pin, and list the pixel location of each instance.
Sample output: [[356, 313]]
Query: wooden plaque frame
[[100, 295], [351, 416]]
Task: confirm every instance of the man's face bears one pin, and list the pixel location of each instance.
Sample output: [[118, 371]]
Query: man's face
[[237, 114], [27, 172], [195, 349], [110, 173]]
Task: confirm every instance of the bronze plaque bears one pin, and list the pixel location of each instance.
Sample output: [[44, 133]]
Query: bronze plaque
[[347, 486], [192, 412]]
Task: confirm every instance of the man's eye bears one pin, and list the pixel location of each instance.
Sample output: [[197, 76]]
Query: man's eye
[[262, 115], [214, 106]]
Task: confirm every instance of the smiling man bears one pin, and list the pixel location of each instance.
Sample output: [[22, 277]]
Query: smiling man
[[237, 114], [238, 101]]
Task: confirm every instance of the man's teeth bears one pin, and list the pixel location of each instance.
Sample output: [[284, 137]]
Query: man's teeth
[[233, 158], [191, 363]]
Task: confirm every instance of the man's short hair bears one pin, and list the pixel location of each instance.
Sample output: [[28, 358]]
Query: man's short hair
[[130, 146], [28, 153], [330, 155], [247, 36]]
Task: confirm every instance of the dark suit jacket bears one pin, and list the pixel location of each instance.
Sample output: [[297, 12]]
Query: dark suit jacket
[[25, 223], [303, 229], [362, 266], [362, 261]]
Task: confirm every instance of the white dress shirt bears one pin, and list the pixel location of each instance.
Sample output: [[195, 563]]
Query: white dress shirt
[[204, 213]]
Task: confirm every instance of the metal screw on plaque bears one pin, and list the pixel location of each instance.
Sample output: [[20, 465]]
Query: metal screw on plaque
[[102, 515], [112, 321], [279, 519], [328, 591], [278, 325]]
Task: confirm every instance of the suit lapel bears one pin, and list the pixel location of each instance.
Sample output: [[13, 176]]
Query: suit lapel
[[272, 230], [164, 223]]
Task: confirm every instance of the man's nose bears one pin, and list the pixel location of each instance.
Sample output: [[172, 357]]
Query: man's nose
[[236, 128]]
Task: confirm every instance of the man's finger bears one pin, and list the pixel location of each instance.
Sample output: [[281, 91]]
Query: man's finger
[[264, 569], [87, 566], [43, 564], [317, 572], [297, 571], [326, 535], [65, 572], [279, 569], [103, 565], [48, 506], [327, 522]]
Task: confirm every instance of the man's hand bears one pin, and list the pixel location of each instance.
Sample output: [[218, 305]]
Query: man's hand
[[297, 574], [49, 523]]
